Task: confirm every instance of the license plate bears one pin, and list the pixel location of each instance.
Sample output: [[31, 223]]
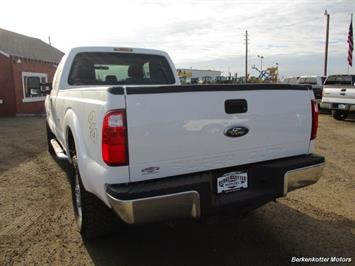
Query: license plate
[[342, 106], [232, 181]]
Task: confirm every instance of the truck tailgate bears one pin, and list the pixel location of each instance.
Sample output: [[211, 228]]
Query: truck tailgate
[[182, 129], [339, 94]]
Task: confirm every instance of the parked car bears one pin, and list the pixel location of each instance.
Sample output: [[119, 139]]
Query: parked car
[[339, 95], [316, 83], [150, 149]]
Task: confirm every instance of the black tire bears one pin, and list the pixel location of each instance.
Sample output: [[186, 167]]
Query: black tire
[[340, 115], [50, 136], [93, 217]]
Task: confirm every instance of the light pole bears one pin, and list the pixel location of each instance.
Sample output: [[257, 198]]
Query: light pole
[[326, 44], [261, 62]]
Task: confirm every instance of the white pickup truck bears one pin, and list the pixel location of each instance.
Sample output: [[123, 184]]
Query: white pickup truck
[[150, 149], [339, 95]]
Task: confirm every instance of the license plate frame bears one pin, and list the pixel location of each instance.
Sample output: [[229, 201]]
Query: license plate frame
[[232, 182]]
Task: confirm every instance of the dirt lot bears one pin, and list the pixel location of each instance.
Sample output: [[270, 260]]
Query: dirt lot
[[37, 225]]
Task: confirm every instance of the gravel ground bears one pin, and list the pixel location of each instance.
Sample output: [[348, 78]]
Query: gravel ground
[[37, 225]]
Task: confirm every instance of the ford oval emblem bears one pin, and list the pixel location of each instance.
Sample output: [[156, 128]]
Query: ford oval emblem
[[235, 132]]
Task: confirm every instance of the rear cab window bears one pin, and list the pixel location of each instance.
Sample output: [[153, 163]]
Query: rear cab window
[[312, 81], [340, 80], [308, 81], [302, 81], [104, 68]]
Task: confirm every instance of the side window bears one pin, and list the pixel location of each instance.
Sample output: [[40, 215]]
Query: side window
[[27, 93]]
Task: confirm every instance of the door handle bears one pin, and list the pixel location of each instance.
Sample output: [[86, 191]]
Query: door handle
[[235, 106]]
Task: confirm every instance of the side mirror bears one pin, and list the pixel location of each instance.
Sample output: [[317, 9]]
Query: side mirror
[[46, 87]]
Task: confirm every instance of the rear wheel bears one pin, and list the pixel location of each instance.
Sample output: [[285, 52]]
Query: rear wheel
[[340, 115], [92, 216]]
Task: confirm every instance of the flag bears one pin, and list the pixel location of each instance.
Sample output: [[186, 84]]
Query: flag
[[351, 43]]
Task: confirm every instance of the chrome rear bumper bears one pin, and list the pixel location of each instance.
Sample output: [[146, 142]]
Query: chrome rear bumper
[[151, 209], [302, 177], [195, 196]]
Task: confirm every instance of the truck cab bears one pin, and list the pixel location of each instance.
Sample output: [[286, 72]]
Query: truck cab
[[316, 83]]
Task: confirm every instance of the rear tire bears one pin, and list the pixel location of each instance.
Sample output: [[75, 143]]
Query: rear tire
[[93, 217], [340, 115]]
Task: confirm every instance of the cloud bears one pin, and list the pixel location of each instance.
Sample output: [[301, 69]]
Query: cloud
[[206, 34]]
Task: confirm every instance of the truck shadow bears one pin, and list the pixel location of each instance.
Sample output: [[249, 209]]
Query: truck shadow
[[349, 119], [271, 235]]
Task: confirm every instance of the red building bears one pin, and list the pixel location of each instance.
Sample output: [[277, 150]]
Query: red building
[[22, 57]]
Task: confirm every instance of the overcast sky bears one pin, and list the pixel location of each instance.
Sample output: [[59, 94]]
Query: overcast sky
[[199, 34]]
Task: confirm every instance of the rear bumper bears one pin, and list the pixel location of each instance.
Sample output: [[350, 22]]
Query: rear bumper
[[149, 209], [324, 105], [335, 106], [302, 177], [194, 195]]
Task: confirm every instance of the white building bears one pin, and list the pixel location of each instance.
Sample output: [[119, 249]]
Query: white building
[[194, 76]]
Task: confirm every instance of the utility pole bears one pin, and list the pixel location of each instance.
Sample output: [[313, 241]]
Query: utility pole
[[277, 72], [261, 61], [326, 44], [246, 56], [49, 40]]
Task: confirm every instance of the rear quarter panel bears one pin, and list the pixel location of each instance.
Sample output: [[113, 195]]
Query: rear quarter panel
[[83, 111]]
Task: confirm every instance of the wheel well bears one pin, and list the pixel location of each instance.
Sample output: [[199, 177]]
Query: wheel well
[[71, 143]]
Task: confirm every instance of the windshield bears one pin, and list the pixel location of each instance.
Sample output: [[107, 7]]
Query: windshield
[[120, 69], [339, 80]]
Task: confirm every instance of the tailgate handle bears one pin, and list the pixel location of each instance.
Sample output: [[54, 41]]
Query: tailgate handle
[[235, 106]]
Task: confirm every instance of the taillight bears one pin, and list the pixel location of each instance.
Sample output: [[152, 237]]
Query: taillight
[[314, 106], [114, 138]]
